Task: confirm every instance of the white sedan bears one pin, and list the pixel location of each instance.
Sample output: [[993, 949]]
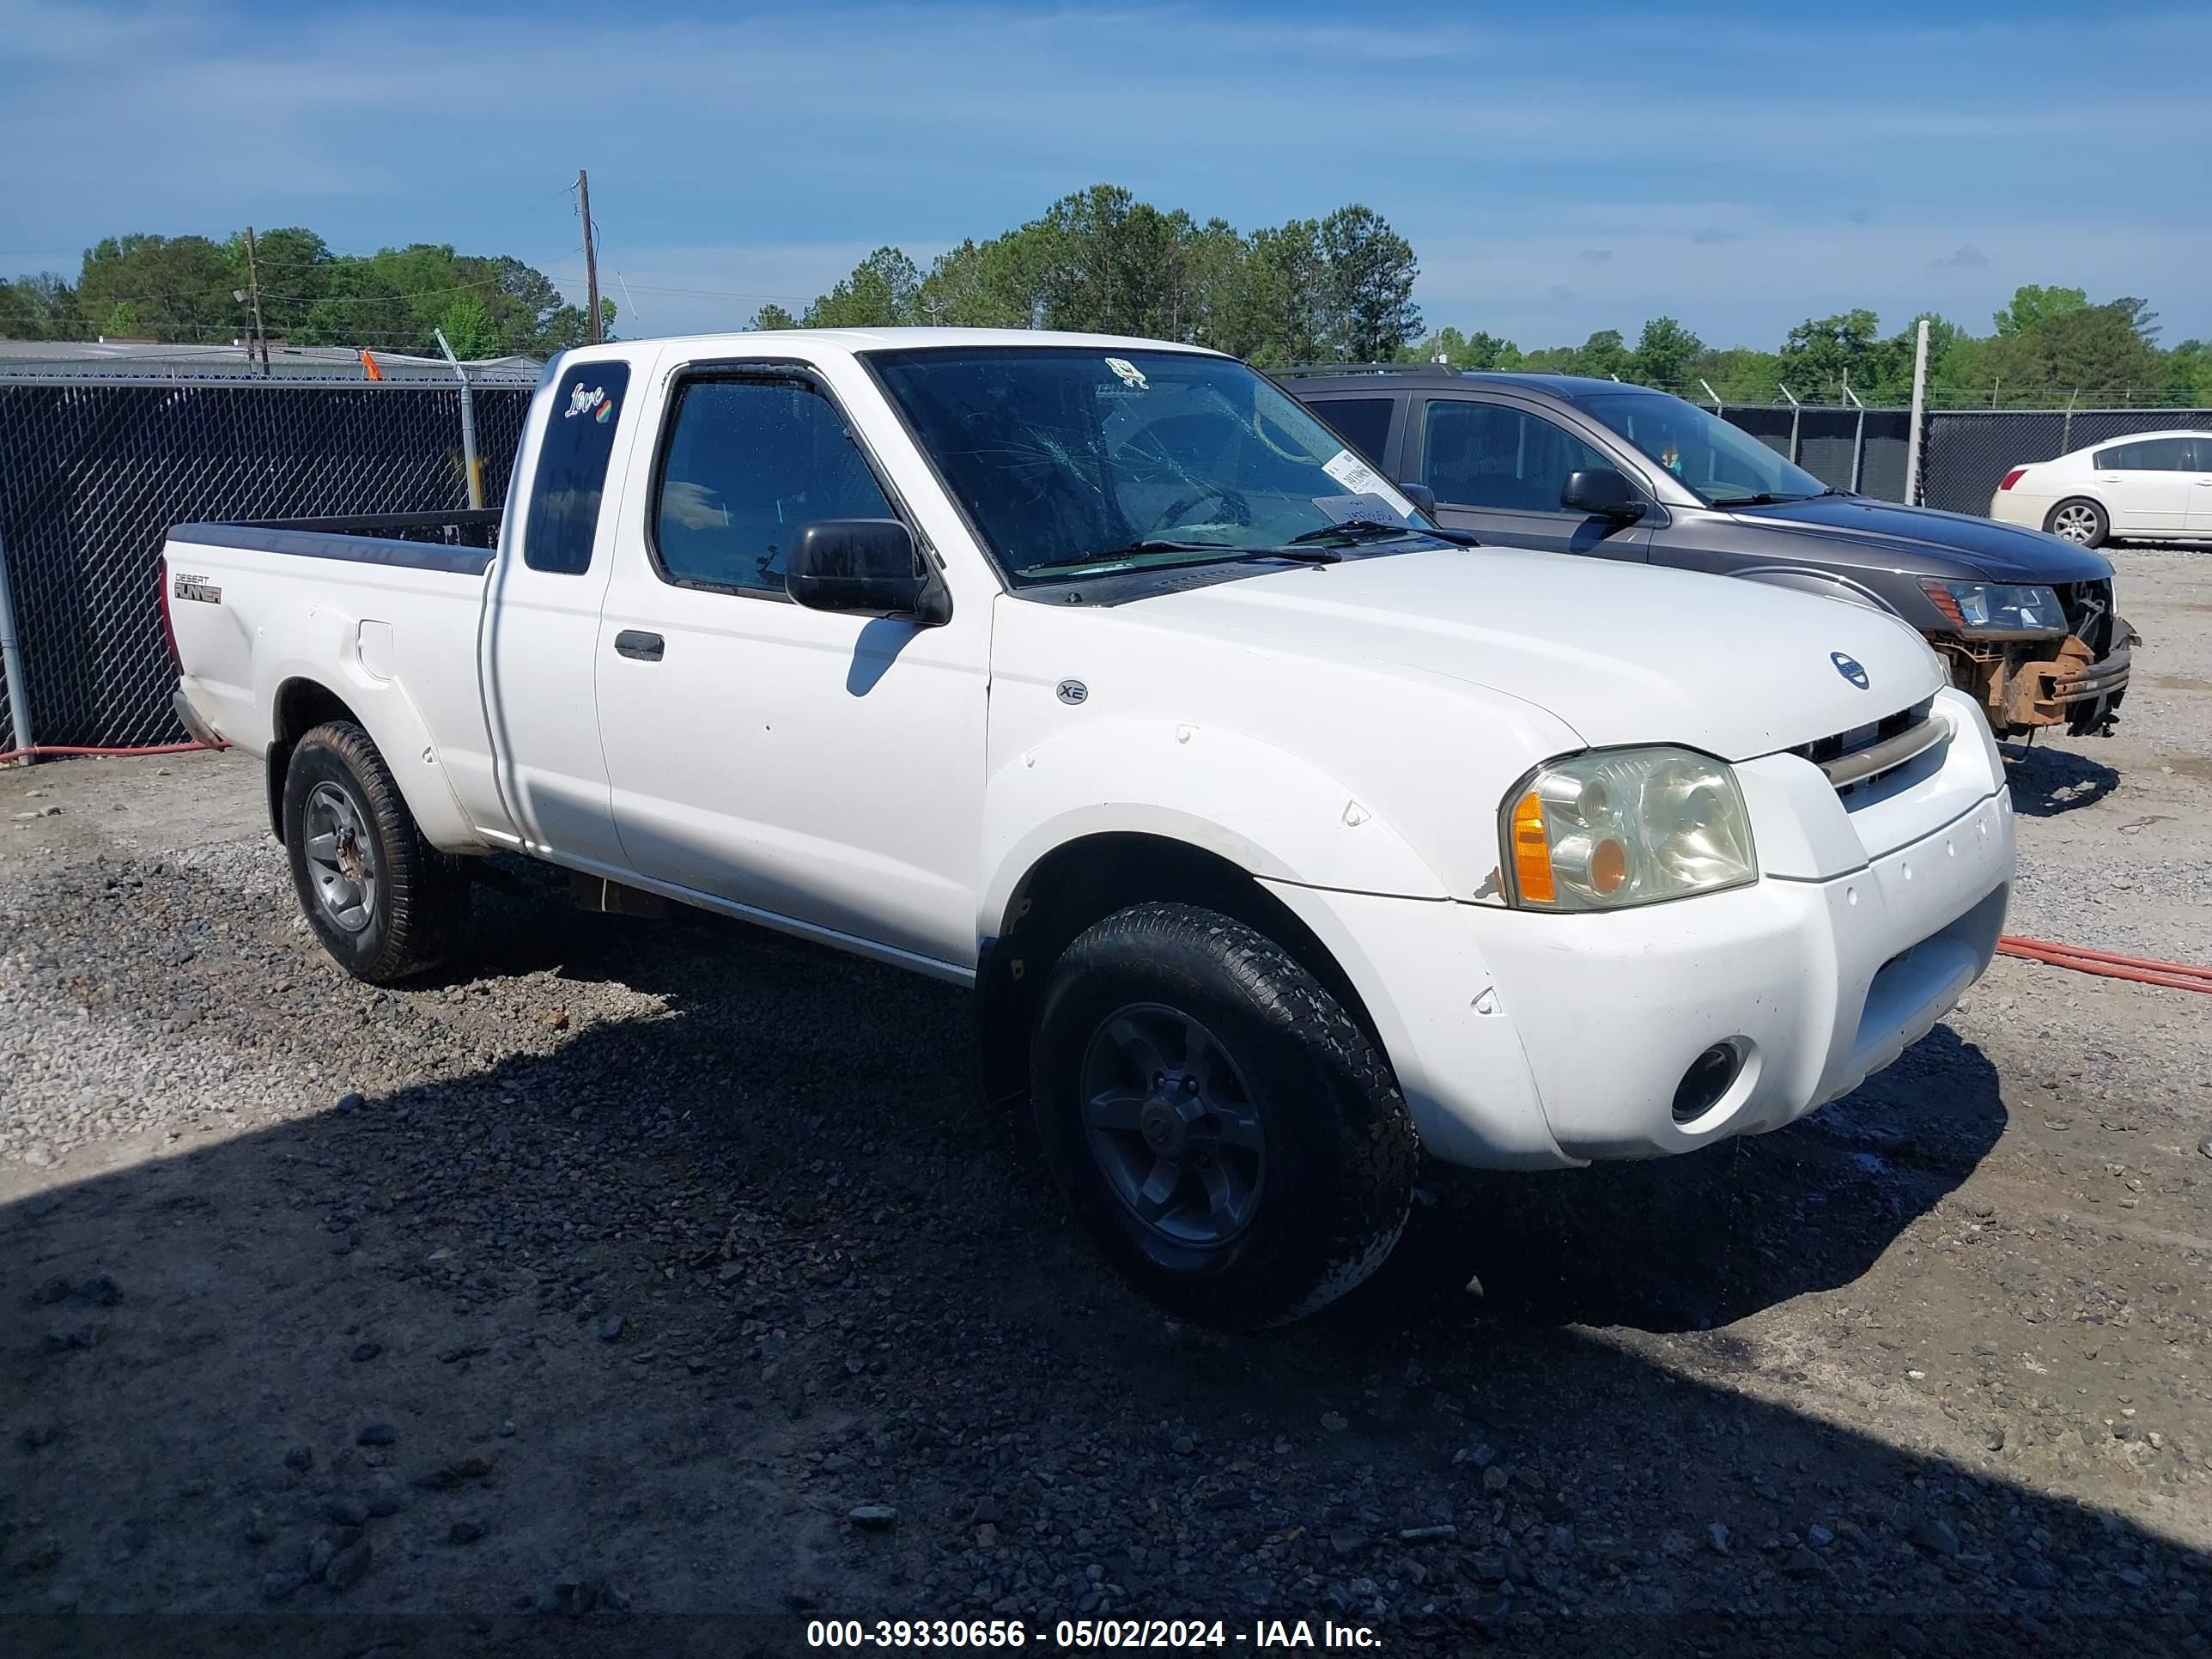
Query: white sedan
[[2151, 486]]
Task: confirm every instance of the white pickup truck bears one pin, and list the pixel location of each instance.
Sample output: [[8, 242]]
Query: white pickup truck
[[1281, 837]]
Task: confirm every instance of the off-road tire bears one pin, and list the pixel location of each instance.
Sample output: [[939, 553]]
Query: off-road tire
[[2100, 521], [423, 895], [1341, 1153]]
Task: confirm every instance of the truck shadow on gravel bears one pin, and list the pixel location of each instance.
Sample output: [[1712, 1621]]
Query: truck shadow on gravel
[[2048, 781], [642, 1314]]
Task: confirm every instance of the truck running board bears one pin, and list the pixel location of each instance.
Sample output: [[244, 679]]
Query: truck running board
[[613, 898]]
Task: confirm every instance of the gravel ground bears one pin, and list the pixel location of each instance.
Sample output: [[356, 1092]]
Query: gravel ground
[[656, 1269]]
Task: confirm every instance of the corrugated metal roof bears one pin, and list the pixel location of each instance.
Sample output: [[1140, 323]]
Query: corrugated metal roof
[[137, 362]]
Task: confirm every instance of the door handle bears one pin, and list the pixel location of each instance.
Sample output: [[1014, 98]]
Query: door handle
[[641, 647]]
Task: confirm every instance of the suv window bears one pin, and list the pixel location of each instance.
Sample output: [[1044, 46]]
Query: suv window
[[1476, 454], [748, 463], [1363, 423], [2150, 455], [572, 469]]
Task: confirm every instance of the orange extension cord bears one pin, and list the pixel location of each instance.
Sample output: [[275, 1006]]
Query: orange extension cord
[[2174, 975]]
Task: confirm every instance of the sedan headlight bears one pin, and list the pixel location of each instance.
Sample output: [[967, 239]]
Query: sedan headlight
[[1996, 610], [1619, 827]]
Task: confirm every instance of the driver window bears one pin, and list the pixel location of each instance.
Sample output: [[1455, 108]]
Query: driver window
[[1476, 454], [748, 463]]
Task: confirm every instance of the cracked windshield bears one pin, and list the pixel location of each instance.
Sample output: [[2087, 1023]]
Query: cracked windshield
[[1072, 462]]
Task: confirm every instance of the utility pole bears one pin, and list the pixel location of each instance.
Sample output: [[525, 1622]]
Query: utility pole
[[253, 287], [591, 257], [1919, 414]]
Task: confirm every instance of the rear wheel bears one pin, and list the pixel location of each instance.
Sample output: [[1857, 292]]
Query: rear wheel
[[1219, 1123], [384, 902], [2080, 520]]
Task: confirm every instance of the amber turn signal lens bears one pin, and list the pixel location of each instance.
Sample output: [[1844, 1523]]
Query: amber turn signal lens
[[1532, 852], [1939, 595]]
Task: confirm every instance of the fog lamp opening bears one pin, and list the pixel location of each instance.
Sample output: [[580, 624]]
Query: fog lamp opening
[[1706, 1081]]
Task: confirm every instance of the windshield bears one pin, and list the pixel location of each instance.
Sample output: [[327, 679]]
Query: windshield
[[1073, 461], [1722, 465]]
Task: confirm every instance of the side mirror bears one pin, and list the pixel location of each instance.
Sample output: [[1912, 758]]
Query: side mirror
[[866, 567], [1602, 492], [1421, 497]]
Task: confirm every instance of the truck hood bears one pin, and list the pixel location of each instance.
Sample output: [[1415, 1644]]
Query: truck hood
[[1621, 652], [1923, 539]]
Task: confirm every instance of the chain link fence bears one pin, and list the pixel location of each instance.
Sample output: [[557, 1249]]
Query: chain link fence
[[92, 476], [1965, 453]]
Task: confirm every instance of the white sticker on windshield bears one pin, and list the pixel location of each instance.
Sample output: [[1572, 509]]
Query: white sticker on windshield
[[1361, 479], [1131, 376], [1354, 474]]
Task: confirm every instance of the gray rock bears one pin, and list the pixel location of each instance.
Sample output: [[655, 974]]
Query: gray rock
[[352, 1102], [99, 1290], [2205, 1145], [464, 1532], [1496, 1479], [1819, 1536], [376, 1434], [318, 1557], [346, 1512], [1438, 1535], [365, 1352], [348, 1567], [299, 1459], [1184, 1445], [1993, 1437], [276, 1586], [610, 1329], [873, 1517], [1717, 1539], [51, 1290], [1935, 1535]]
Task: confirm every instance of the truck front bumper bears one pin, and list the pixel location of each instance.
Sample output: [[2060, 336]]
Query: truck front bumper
[[1522, 1040]]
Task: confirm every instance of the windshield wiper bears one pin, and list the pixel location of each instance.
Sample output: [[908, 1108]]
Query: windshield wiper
[[1367, 530], [1766, 499], [1229, 555]]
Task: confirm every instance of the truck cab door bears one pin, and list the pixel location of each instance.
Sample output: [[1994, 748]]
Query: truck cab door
[[1497, 468], [538, 646], [814, 770]]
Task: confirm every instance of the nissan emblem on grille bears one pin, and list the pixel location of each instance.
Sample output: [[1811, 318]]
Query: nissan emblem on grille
[[1848, 668]]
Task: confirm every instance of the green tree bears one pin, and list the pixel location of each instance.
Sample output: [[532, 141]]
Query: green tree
[[470, 330], [1664, 352], [40, 307], [1821, 351], [2033, 304], [772, 316], [175, 289], [1287, 296], [1367, 285], [880, 292]]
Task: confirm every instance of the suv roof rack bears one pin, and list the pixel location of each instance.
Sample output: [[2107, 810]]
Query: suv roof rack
[[1303, 371]]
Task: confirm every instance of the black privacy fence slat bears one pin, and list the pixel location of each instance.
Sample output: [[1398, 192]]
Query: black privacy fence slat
[[92, 477]]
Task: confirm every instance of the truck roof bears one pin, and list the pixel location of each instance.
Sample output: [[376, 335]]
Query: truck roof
[[880, 339]]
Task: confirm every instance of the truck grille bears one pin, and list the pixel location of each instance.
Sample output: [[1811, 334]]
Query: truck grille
[[1855, 760]]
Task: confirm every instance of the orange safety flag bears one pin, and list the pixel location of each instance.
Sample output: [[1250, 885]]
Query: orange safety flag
[[368, 362]]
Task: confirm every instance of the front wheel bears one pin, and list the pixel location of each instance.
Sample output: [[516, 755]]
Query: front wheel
[[384, 902], [2079, 520], [1219, 1123]]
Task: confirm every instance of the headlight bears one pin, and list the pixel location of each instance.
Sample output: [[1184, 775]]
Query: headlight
[[1994, 610], [1619, 827]]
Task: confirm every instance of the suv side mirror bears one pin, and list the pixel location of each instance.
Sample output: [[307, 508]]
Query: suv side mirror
[[1602, 492], [866, 567], [1421, 497]]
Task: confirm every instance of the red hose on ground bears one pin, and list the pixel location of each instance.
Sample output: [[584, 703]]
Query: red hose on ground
[[56, 752], [2106, 964]]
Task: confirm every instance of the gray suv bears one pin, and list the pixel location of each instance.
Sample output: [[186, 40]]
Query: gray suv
[[1613, 471]]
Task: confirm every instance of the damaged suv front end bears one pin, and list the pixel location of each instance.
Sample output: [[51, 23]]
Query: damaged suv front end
[[2034, 655]]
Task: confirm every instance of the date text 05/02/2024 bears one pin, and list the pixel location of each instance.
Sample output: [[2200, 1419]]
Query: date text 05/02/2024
[[1075, 1634]]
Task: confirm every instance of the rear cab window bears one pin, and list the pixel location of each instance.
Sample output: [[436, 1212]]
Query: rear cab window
[[571, 478]]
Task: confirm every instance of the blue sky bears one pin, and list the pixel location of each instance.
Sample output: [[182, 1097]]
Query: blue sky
[[1737, 167]]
